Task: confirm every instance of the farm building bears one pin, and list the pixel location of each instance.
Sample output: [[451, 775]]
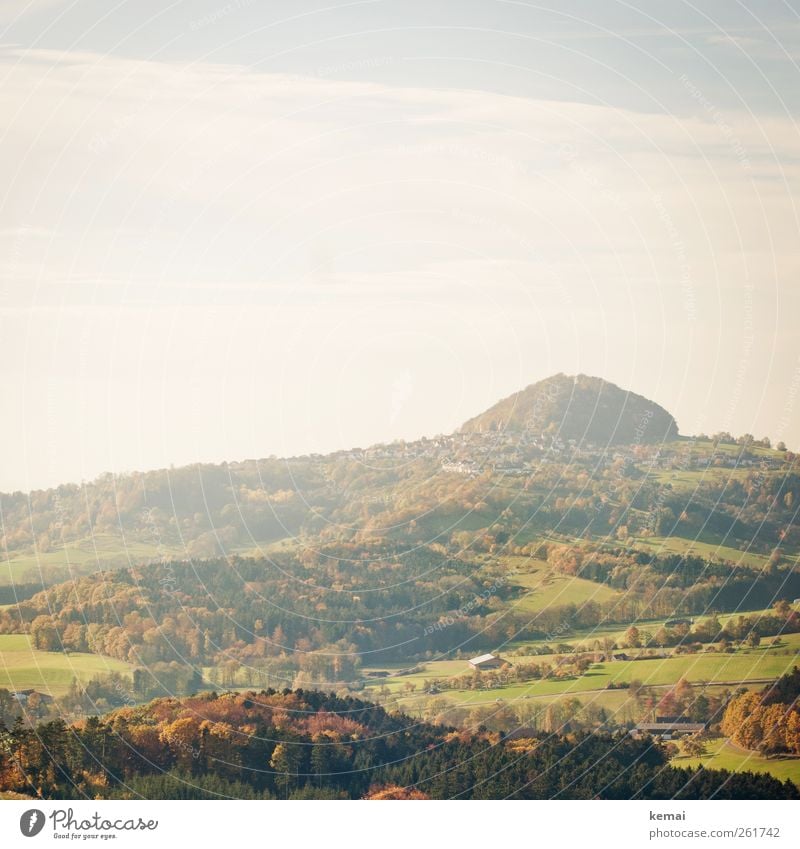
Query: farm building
[[668, 730], [22, 696], [522, 733], [486, 661]]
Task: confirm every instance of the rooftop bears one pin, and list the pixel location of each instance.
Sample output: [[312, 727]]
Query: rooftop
[[482, 658]]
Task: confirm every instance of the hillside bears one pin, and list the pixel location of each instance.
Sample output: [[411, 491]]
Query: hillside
[[582, 408], [616, 572], [732, 498], [576, 457], [264, 745]]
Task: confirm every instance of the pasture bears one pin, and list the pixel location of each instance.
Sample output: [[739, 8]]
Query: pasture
[[711, 550], [22, 667], [545, 589], [94, 553], [707, 668], [721, 753]]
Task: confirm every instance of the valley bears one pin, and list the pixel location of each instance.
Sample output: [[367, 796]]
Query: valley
[[618, 571]]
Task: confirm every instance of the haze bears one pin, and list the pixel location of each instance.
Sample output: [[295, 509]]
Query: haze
[[240, 230]]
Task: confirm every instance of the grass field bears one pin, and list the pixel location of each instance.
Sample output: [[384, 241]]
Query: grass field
[[93, 553], [706, 446], [687, 480], [619, 704], [708, 546], [706, 668], [722, 754], [545, 589], [22, 667], [699, 548], [106, 551], [616, 632]]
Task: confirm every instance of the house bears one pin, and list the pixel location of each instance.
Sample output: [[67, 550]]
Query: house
[[674, 623], [22, 696], [486, 661], [522, 733], [676, 727], [621, 656]]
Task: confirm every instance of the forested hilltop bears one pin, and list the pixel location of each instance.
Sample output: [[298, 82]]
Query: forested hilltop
[[582, 408], [311, 745]]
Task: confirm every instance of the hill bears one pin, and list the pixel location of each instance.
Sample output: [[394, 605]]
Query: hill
[[299, 744], [731, 498], [583, 408]]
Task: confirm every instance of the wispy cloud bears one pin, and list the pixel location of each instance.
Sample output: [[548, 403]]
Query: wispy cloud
[[271, 231], [11, 10]]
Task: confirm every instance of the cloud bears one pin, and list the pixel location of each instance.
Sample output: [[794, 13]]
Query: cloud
[[744, 42], [270, 232], [12, 10]]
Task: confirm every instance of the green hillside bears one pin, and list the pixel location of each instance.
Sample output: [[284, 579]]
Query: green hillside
[[51, 672]]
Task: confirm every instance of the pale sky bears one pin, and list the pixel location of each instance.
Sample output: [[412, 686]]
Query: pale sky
[[237, 229]]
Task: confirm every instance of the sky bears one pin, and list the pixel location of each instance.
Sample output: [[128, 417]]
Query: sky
[[239, 229]]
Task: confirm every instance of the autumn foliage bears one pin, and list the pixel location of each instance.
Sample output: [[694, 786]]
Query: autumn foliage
[[769, 721]]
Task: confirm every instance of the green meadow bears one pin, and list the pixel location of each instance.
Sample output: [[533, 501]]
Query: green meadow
[[22, 667], [711, 668], [711, 550], [545, 589], [94, 553], [721, 753]]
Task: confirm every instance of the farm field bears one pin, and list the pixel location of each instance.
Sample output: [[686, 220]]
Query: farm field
[[686, 480], [700, 548], [107, 551], [723, 754], [616, 632], [729, 669], [22, 667], [706, 446], [101, 551], [619, 704], [547, 590], [706, 546]]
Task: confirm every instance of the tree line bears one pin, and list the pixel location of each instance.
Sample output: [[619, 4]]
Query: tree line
[[303, 744]]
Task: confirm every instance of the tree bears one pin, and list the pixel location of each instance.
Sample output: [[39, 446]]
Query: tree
[[44, 635], [700, 709], [693, 746], [783, 609], [633, 638], [753, 640], [182, 738], [394, 791], [285, 761]]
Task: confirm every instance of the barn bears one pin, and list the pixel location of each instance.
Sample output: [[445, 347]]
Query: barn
[[486, 661]]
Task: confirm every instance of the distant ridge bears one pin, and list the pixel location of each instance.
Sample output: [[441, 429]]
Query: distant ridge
[[583, 408]]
